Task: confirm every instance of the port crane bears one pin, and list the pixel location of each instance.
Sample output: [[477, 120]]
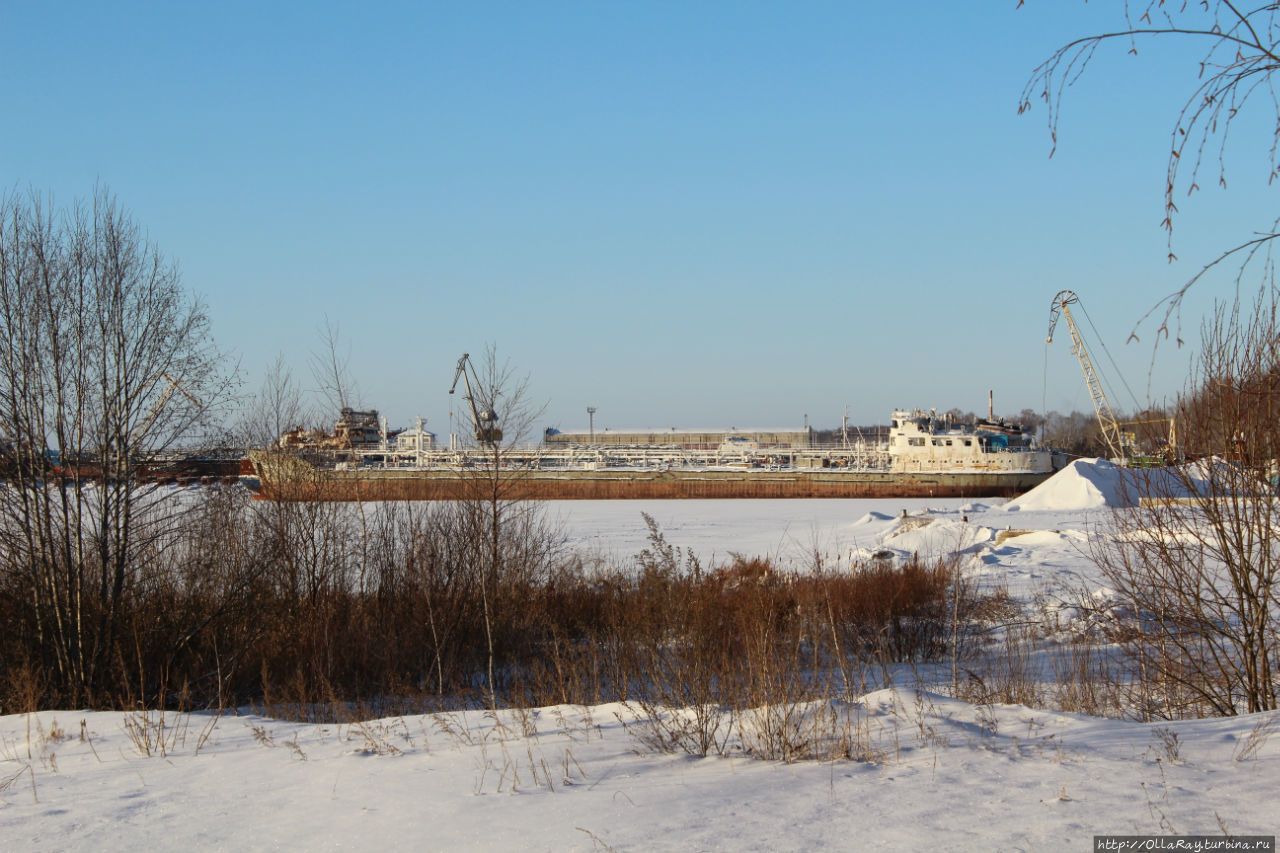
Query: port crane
[[174, 385], [1111, 433], [484, 420]]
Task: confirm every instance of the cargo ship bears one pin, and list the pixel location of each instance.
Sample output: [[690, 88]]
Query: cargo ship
[[922, 455]]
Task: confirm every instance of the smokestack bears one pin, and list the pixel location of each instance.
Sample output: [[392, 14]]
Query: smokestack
[[991, 405]]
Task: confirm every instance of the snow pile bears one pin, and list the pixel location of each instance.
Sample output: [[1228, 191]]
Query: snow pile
[[872, 517], [1096, 483], [1084, 484], [1083, 619], [1214, 476], [941, 536]]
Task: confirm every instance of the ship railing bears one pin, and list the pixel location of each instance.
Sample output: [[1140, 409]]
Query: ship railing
[[622, 456]]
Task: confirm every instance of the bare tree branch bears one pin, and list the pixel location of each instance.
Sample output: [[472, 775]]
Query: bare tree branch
[[1243, 53]]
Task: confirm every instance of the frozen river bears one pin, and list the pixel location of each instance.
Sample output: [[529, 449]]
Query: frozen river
[[788, 530]]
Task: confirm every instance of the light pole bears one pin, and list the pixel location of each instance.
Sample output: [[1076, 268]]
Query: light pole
[[591, 417]]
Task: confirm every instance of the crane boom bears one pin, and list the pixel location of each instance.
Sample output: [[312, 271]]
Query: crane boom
[[174, 385], [1101, 407], [484, 421]]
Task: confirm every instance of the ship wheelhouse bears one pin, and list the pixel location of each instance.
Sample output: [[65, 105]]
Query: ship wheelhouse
[[923, 441]]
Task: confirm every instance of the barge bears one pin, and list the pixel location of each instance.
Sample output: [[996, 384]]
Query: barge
[[925, 455]]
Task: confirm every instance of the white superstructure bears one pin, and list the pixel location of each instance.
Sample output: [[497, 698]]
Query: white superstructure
[[922, 441]]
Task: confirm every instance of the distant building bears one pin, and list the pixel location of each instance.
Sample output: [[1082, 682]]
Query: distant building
[[416, 438], [685, 439]]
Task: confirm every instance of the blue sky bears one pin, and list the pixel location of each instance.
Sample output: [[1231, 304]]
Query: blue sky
[[684, 214]]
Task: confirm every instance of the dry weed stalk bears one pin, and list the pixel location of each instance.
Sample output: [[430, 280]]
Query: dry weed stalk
[[7, 782], [155, 732], [1257, 738]]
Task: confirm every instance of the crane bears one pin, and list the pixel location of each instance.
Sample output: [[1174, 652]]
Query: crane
[[1102, 408], [483, 418], [174, 385], [1170, 448]]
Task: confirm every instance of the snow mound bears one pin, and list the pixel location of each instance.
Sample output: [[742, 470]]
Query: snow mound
[[1035, 538], [1084, 484], [937, 538], [1086, 618], [1096, 483], [873, 516]]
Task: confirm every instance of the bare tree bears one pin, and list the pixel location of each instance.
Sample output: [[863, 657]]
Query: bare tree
[[1077, 433], [1237, 52], [516, 542], [1195, 565], [276, 407], [106, 362], [330, 368]]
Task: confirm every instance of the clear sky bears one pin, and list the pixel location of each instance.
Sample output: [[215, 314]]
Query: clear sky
[[685, 214]]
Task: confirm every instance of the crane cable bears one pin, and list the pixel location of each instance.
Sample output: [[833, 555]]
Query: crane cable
[[1098, 337], [1044, 392]]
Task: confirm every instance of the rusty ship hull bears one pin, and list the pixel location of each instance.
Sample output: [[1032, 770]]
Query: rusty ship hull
[[428, 485]]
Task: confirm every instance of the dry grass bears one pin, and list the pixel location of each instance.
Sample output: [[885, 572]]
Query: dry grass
[[312, 612]]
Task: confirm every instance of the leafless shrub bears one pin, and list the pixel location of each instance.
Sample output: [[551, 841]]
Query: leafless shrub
[[107, 361], [378, 736], [295, 748], [691, 729], [1005, 673], [825, 730], [1195, 564], [262, 736], [155, 732], [1086, 679], [1168, 744]]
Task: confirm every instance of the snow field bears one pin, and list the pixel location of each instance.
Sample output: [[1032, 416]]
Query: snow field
[[938, 774]]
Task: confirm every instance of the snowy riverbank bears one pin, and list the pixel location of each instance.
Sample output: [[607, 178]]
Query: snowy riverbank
[[926, 772]]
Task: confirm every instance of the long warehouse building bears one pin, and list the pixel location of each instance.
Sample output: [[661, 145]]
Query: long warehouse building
[[685, 439]]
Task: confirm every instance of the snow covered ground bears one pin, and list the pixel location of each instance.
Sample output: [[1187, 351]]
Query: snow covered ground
[[931, 772], [947, 776], [785, 529]]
